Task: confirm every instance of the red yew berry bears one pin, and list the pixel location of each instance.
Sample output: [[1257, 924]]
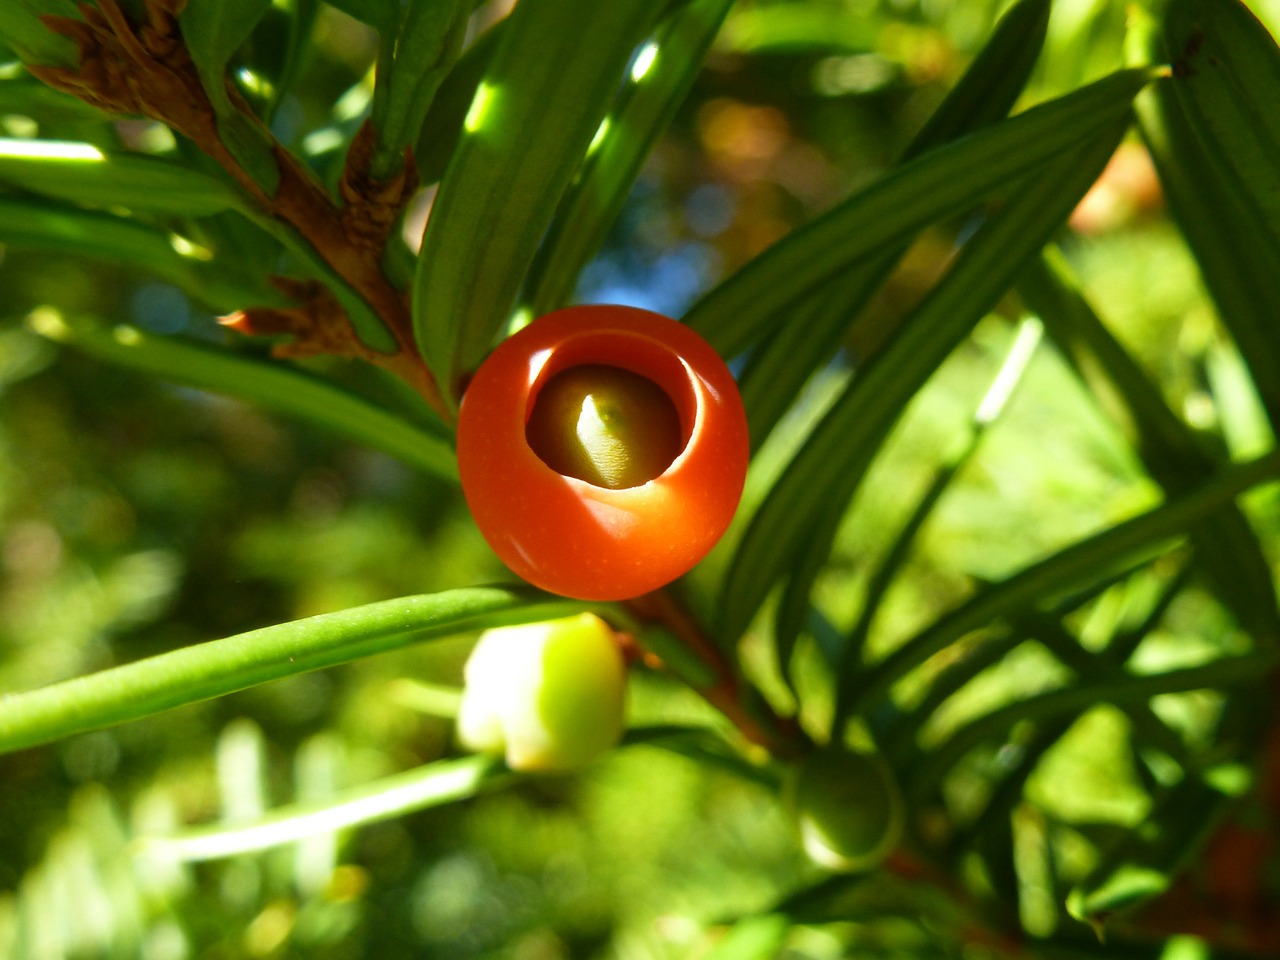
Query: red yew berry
[[602, 451]]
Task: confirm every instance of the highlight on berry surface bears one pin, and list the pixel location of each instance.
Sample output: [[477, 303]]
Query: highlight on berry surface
[[602, 451], [549, 696]]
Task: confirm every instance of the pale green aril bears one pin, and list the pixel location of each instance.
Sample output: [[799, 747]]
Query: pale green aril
[[548, 696]]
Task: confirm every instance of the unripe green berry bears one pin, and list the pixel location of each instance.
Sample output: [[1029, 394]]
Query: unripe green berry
[[605, 425], [847, 807], [549, 696]]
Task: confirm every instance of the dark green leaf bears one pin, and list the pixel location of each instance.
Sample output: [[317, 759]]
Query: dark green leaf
[[81, 173], [214, 30], [831, 464], [1173, 455], [1143, 864], [379, 14], [557, 67], [284, 389], [442, 127], [22, 29], [42, 225], [426, 48], [889, 212], [1226, 76], [1081, 696], [983, 95], [1117, 547], [674, 58], [27, 96], [1235, 253]]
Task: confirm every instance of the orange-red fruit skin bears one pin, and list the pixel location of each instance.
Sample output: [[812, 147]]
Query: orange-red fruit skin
[[568, 536]]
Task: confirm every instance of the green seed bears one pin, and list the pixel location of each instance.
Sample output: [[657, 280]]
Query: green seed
[[605, 425]]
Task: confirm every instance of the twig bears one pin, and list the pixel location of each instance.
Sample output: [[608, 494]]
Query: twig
[[727, 692]]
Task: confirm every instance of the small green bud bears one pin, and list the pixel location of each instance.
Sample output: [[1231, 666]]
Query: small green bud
[[847, 807], [550, 696], [605, 425]]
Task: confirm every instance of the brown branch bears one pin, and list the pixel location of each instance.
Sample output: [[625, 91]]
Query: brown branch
[[148, 70], [728, 693]]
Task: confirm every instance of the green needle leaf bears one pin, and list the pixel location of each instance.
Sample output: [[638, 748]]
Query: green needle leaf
[[214, 30], [661, 77], [432, 785], [826, 472], [43, 225], [1221, 221], [81, 173], [937, 184], [425, 49], [556, 69], [284, 389], [1143, 536], [219, 667]]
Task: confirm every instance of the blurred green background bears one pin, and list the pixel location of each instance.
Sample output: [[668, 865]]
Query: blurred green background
[[136, 517]]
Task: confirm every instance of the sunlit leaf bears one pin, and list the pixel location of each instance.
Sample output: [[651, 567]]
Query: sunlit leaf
[[1171, 452], [660, 78], [214, 30], [556, 69], [218, 667], [1143, 864], [82, 173], [1117, 547]]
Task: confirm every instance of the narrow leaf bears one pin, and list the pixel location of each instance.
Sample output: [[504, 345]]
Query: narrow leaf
[[989, 408], [1234, 251], [830, 314], [557, 67], [937, 184], [442, 128], [81, 173], [1174, 456], [660, 79], [214, 30], [23, 31], [379, 14], [43, 225], [1226, 76], [283, 389], [24, 94], [833, 461], [1141, 537], [1143, 864], [218, 667], [431, 785], [426, 48], [1242, 671]]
